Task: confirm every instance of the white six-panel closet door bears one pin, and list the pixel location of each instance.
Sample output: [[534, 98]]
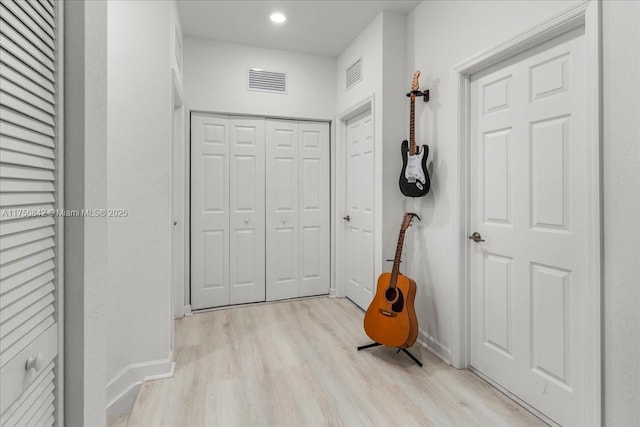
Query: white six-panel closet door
[[282, 210], [314, 203], [227, 210], [28, 326], [298, 231], [209, 211], [247, 210]]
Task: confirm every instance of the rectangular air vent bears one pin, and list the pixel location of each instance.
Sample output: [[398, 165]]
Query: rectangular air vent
[[354, 73], [267, 81]]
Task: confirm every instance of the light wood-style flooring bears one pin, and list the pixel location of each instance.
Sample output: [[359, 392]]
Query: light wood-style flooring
[[295, 364]]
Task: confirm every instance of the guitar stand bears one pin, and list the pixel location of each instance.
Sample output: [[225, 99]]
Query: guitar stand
[[404, 350]]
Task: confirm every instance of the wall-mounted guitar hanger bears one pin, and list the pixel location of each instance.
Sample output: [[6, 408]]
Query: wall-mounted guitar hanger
[[423, 93]]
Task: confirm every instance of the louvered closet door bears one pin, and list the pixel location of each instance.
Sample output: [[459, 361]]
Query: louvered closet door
[[28, 328]]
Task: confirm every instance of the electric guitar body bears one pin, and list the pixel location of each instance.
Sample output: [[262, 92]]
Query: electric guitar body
[[391, 318], [414, 178]]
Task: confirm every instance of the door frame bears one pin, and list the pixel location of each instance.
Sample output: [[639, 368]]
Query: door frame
[[340, 191], [178, 173], [587, 14]]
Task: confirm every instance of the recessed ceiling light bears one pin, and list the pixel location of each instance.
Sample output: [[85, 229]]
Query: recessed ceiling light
[[278, 17]]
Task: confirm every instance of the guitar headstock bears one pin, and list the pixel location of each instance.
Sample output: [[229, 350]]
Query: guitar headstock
[[415, 85], [406, 220]]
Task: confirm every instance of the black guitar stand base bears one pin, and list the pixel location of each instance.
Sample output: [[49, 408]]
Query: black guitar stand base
[[404, 350]]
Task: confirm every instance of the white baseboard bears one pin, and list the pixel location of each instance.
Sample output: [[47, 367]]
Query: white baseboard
[[122, 390], [434, 346], [187, 310]]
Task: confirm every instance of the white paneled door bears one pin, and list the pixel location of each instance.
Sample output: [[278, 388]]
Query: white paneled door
[[283, 274], [227, 210], [209, 211], [359, 218], [298, 231], [29, 286], [529, 203], [260, 210], [313, 190], [246, 195]]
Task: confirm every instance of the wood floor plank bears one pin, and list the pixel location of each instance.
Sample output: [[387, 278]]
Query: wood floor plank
[[295, 364]]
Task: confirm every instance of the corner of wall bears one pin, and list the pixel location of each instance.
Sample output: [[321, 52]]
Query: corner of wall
[[395, 122], [122, 390]]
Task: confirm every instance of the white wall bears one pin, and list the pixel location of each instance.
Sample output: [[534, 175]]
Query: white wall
[[85, 239], [395, 129], [139, 312], [368, 46], [382, 47], [215, 80], [621, 164]]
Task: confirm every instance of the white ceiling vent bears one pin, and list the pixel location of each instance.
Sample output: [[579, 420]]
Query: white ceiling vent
[[267, 81], [354, 73]]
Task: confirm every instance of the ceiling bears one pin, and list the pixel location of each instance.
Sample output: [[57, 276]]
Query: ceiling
[[321, 27]]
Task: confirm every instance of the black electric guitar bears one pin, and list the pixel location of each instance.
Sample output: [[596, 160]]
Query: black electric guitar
[[414, 178]]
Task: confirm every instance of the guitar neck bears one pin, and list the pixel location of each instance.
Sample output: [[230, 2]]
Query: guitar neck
[[396, 260], [412, 126]]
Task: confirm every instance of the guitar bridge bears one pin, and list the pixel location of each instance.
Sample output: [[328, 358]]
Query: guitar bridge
[[387, 313]]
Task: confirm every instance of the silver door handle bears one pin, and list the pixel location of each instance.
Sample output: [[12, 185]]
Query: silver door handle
[[347, 218], [476, 237]]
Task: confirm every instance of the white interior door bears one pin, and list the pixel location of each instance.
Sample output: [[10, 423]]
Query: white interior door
[[209, 211], [298, 218], [360, 210], [247, 210], [282, 209], [314, 205], [29, 282], [529, 202]]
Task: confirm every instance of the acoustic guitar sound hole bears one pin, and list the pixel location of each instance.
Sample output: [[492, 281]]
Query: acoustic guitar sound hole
[[390, 294]]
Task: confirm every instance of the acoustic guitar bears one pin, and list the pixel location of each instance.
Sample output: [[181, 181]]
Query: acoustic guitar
[[414, 178], [391, 318]]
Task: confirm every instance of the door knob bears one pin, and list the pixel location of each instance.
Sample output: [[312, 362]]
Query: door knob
[[34, 362], [347, 218], [476, 237], [284, 220], [246, 220]]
